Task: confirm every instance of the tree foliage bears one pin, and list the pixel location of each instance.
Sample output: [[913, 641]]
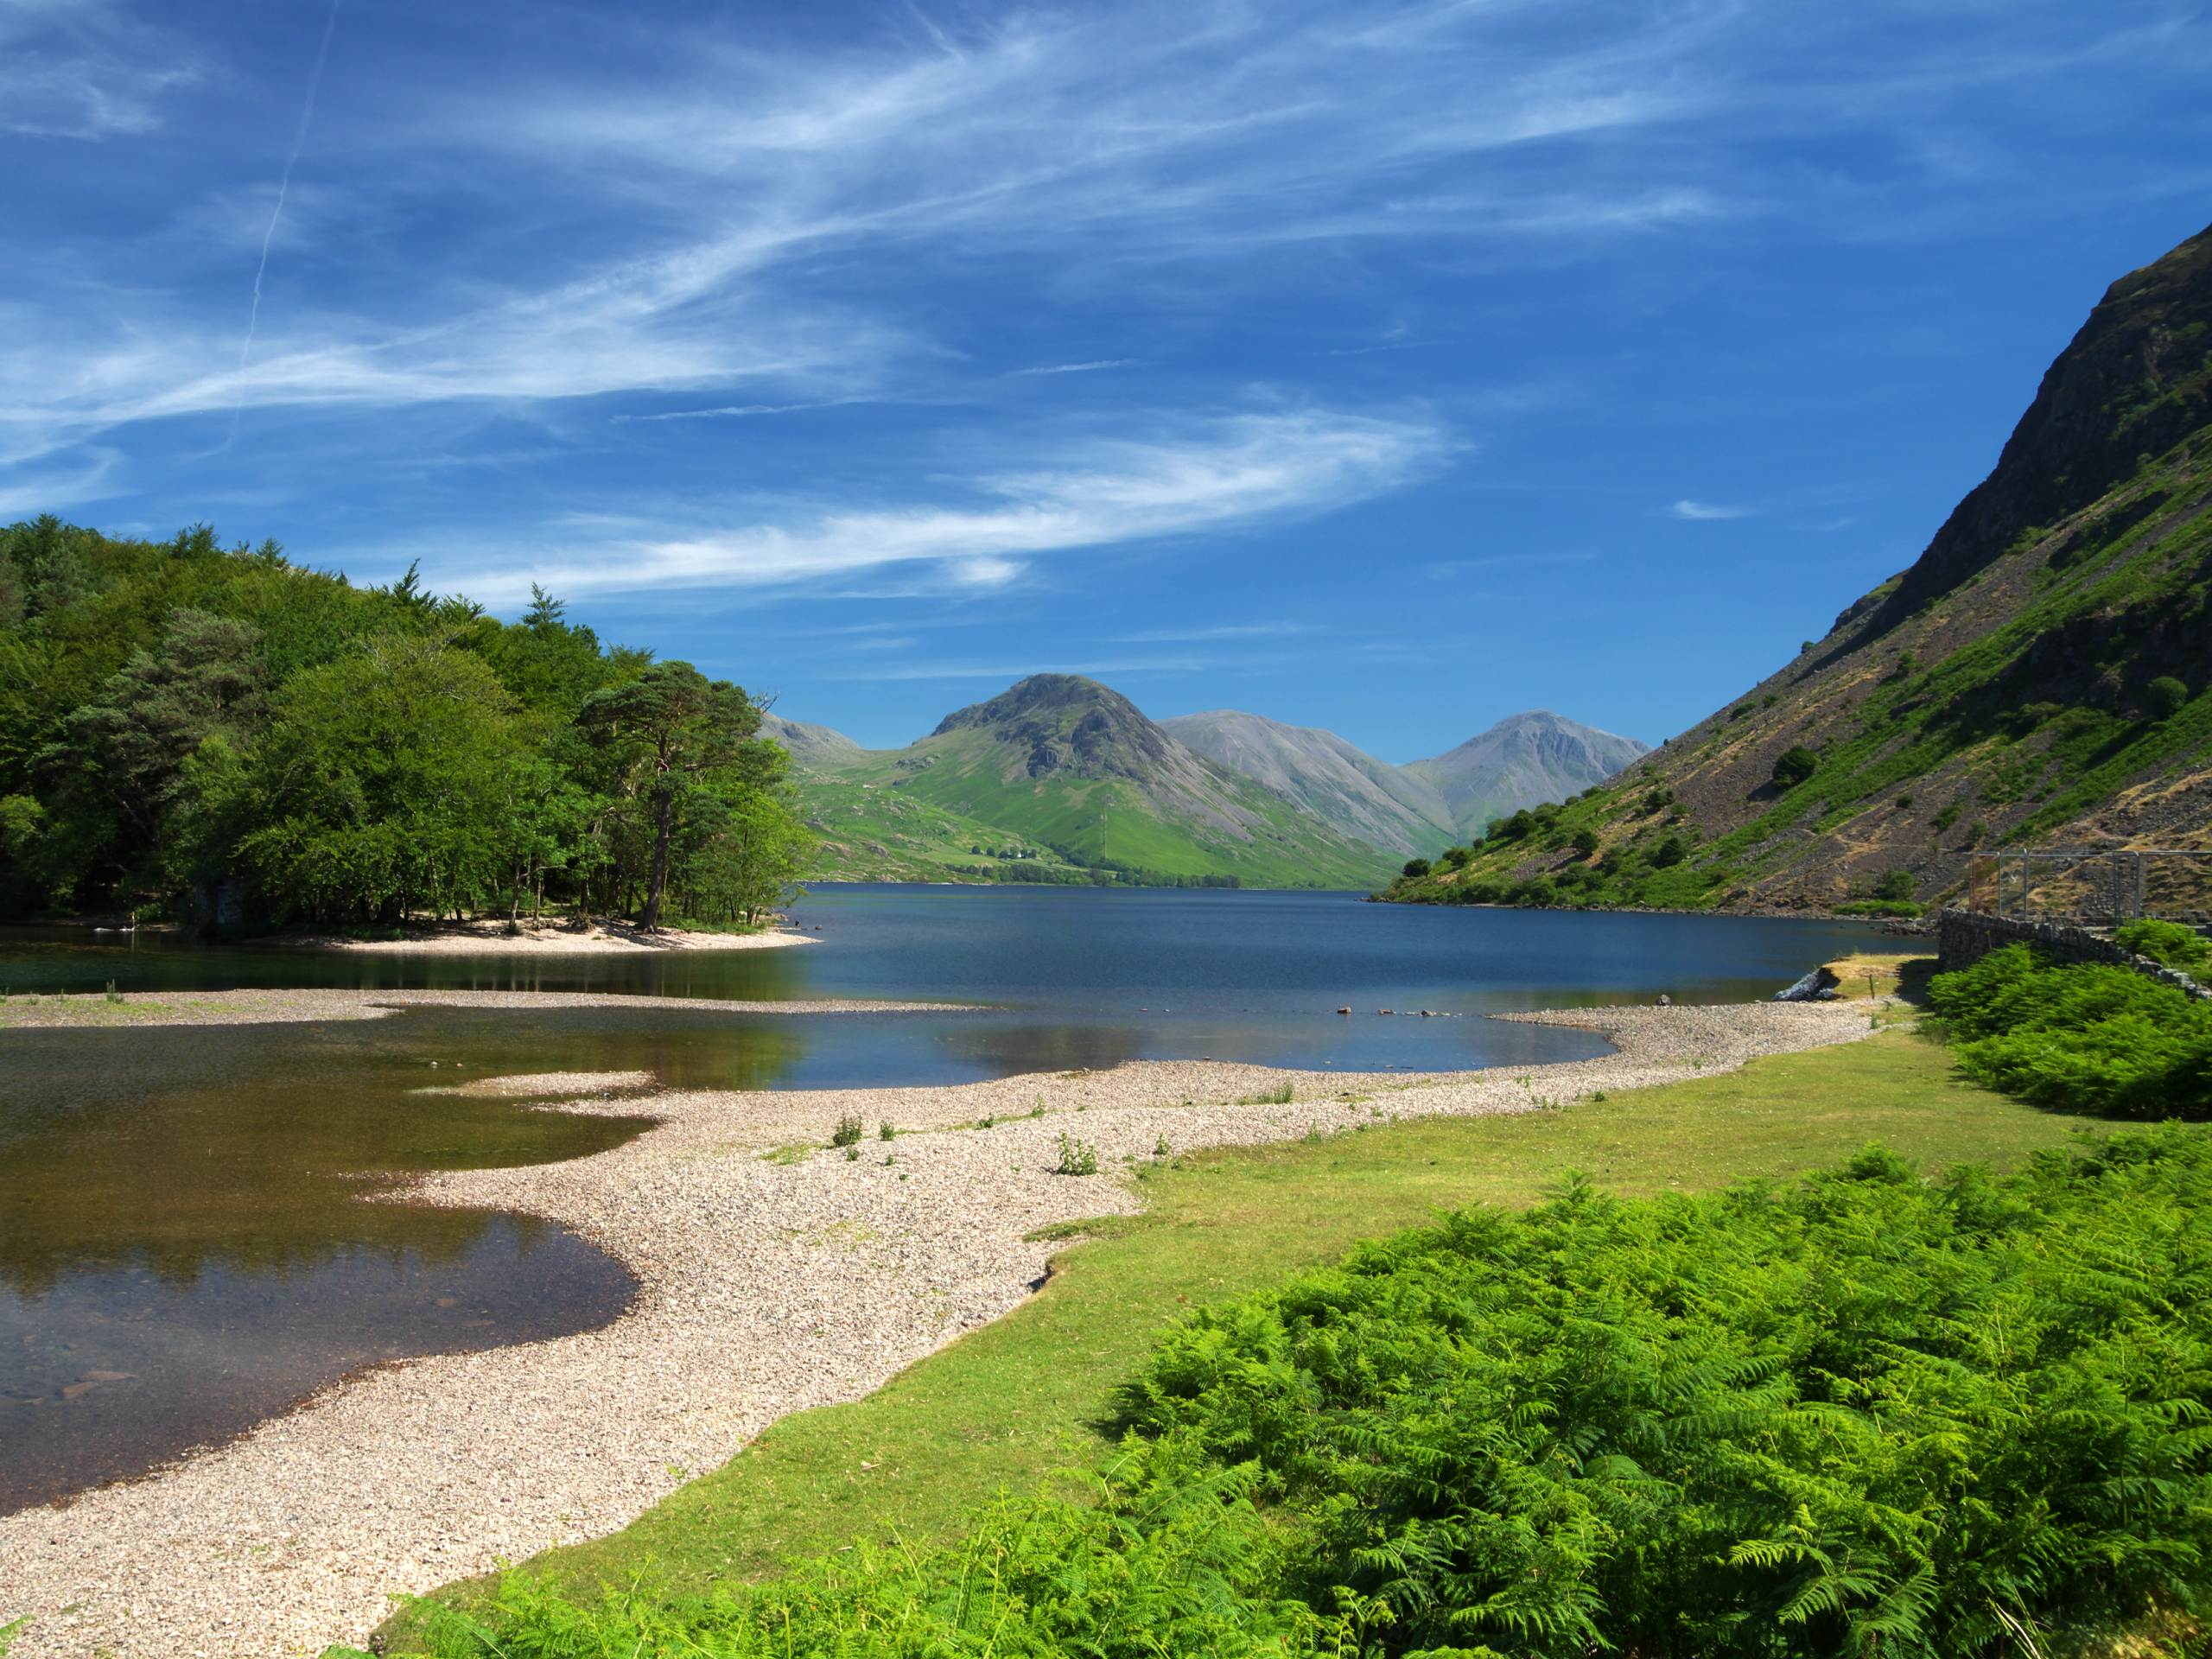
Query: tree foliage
[[216, 732]]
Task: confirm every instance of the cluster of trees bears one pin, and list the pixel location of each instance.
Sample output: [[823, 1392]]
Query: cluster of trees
[[220, 734]]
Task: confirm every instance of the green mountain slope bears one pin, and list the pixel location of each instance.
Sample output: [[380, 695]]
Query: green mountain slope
[[1069, 771], [2042, 674]]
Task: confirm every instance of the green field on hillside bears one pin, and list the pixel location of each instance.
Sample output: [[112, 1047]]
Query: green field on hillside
[[919, 814]]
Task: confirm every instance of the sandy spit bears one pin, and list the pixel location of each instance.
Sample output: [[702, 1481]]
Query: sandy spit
[[488, 936], [90, 1010], [770, 1285]]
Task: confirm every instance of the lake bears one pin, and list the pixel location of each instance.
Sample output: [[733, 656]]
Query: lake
[[182, 1252]]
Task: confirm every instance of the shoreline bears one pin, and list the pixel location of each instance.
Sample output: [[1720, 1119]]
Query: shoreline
[[415, 1474], [92, 1011], [489, 936]]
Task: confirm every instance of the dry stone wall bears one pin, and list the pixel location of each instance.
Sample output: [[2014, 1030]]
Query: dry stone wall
[[1964, 937]]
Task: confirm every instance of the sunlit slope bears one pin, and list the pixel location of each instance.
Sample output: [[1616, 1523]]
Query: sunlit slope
[[1070, 768], [2039, 675]]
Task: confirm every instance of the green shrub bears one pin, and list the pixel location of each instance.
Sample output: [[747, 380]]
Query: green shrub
[[1077, 1158], [847, 1132], [2165, 696], [1894, 884], [1516, 828], [1585, 842], [1794, 765], [1536, 890], [1455, 858], [1947, 816], [2092, 1038], [2170, 943], [1668, 853], [1873, 1415], [1415, 867]]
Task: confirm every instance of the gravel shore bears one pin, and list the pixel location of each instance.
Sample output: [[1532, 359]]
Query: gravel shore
[[776, 1276], [490, 938]]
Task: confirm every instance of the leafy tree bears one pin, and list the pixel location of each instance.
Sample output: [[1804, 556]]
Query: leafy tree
[[382, 785], [202, 679], [2166, 697], [751, 851], [677, 739], [1585, 842], [1894, 884], [1415, 867]]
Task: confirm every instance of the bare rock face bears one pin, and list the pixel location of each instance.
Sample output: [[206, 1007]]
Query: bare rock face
[[1524, 760], [2135, 382], [1066, 724]]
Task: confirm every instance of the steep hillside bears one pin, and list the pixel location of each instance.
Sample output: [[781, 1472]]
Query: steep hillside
[[1523, 761], [1350, 790], [1069, 770], [808, 743], [2042, 674]]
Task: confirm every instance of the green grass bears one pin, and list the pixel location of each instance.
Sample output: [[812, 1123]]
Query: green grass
[[877, 833], [1036, 1391]]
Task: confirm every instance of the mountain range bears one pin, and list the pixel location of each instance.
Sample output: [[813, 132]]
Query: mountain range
[[2041, 676], [1060, 779]]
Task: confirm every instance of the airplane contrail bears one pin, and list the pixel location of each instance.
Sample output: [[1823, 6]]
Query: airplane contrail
[[276, 213]]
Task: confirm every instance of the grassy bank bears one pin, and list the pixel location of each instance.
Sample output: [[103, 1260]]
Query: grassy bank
[[1035, 1391]]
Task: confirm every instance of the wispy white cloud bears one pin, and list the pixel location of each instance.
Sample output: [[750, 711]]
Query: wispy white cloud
[[1708, 512], [1067, 141], [1083, 368], [1220, 631], [24, 491], [1011, 669], [74, 70], [1228, 474], [729, 411]]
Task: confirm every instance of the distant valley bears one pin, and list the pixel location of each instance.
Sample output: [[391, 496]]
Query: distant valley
[[1061, 780]]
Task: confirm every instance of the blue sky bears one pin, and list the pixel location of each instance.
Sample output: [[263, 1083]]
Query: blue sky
[[1382, 367]]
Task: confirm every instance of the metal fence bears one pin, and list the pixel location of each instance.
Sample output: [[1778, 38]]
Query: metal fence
[[2093, 888]]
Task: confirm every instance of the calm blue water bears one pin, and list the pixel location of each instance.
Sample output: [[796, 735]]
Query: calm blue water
[[1078, 976], [181, 1256]]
